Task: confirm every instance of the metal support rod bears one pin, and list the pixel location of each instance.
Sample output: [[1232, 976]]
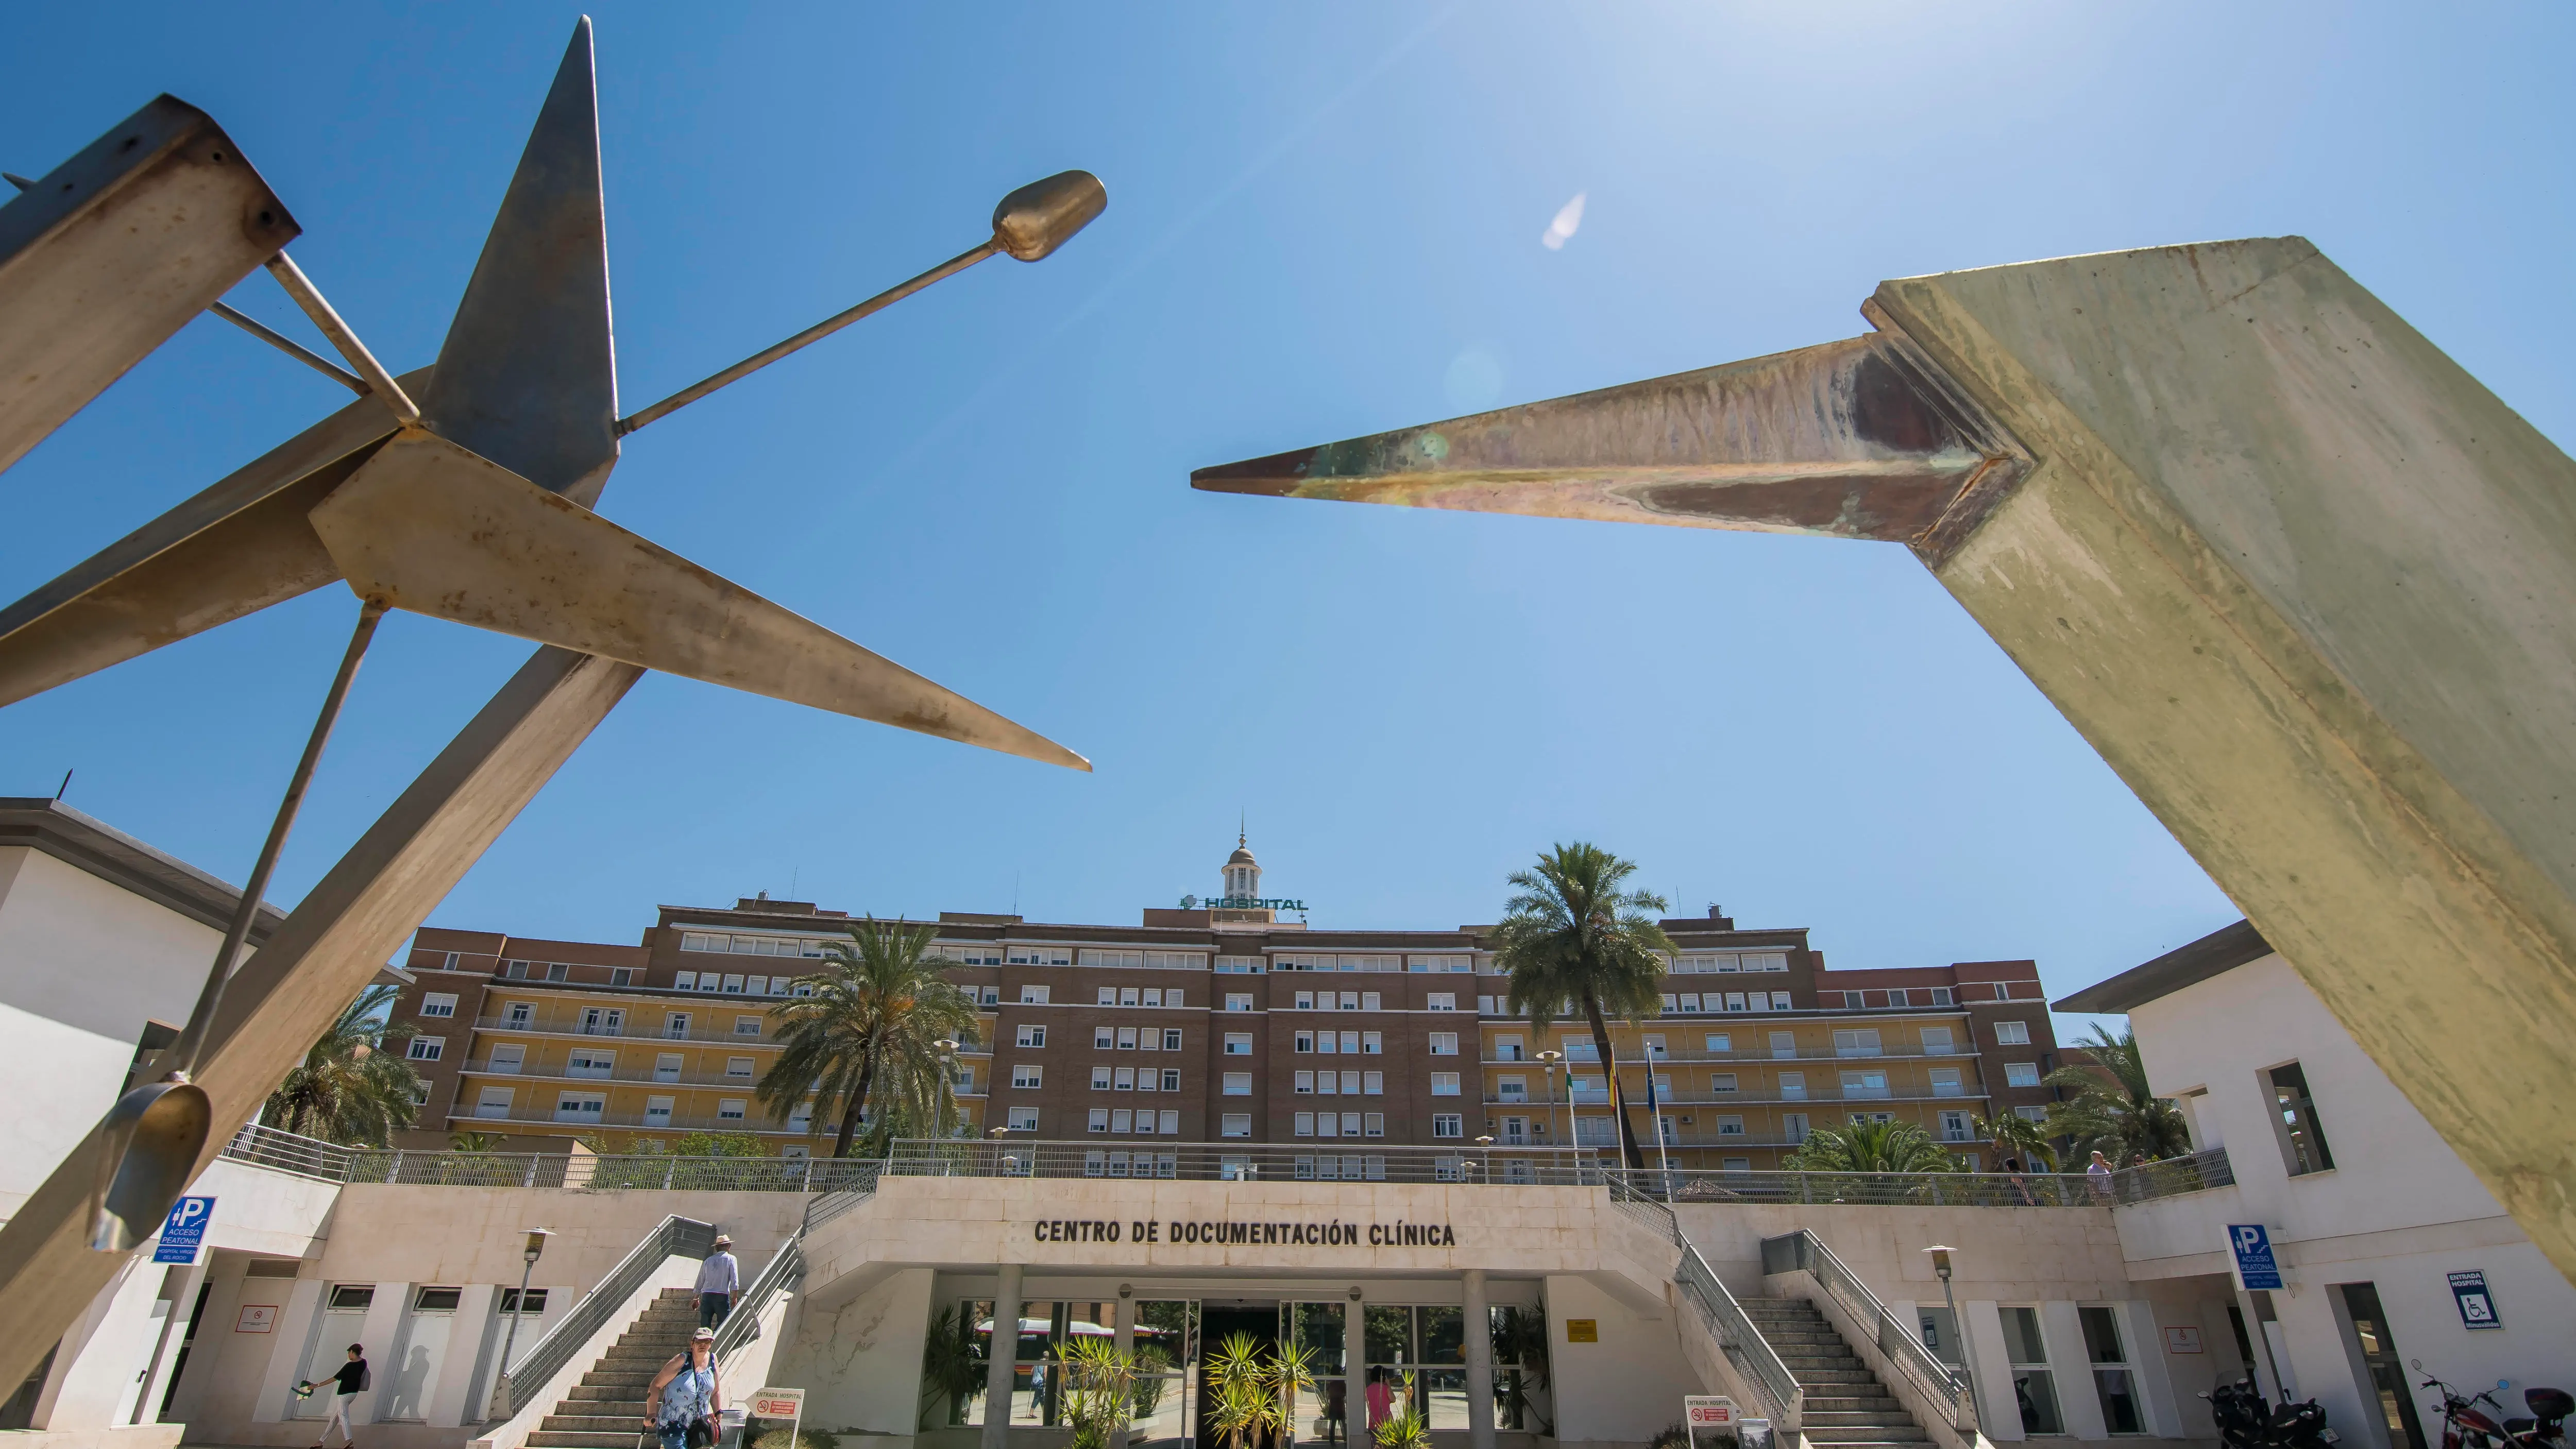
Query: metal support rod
[[280, 341], [1967, 1355], [379, 382], [806, 338], [183, 1053], [518, 1310]]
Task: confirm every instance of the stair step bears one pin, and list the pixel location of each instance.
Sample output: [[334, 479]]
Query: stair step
[[1866, 1434], [574, 1439]]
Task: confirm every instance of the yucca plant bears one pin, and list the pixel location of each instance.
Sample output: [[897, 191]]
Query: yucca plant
[[1246, 1403], [1403, 1431], [1099, 1390]]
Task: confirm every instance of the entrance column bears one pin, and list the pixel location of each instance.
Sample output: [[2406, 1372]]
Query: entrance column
[[1004, 1358], [1122, 1326], [1479, 1336]]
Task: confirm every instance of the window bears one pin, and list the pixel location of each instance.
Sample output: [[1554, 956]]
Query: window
[[1376, 1123], [1766, 961], [2013, 1033], [1035, 956], [1103, 1038], [1374, 1043], [730, 1109], [2303, 1139], [1793, 1086], [2021, 1074], [602, 1021], [1861, 1042], [353, 1295], [533, 1302], [1719, 1041], [1238, 1084], [684, 981], [1784, 1045], [1507, 1049], [1235, 1124], [1730, 1125], [1032, 1036], [1305, 1086], [1369, 1001], [438, 1003], [1304, 1041], [666, 1066], [676, 1026], [518, 1014], [1936, 1041], [738, 1068], [559, 971], [1371, 1083], [1734, 1000], [1171, 1081], [1023, 1119], [2031, 1114], [420, 1094], [1171, 1128], [1126, 1038], [1580, 1049], [621, 975], [1444, 1084], [1689, 1001], [428, 1048], [657, 1111], [1945, 1081], [1238, 1043], [1154, 996], [1124, 1079], [1793, 1127], [1941, 996], [1780, 1001], [580, 1107], [2034, 1387], [1108, 996], [494, 1102], [1305, 1124], [1305, 1001], [1238, 1001], [1865, 1084], [1171, 1038], [1451, 1124], [1721, 1081], [1028, 1076], [1655, 1049], [1033, 996], [1511, 1089], [1441, 1001], [1955, 1128], [746, 1026], [2111, 1381], [1735, 1164], [1098, 1120], [1444, 1043]]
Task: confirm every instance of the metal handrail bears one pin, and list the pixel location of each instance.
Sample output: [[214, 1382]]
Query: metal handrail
[[289, 1152], [832, 1204], [1727, 1322], [1301, 1160], [784, 1274], [676, 1237], [1804, 1251], [2145, 1183]]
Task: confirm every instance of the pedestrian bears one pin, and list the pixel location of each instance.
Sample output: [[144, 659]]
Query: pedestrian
[[1381, 1402], [2097, 1174], [719, 1284], [349, 1382], [685, 1405]]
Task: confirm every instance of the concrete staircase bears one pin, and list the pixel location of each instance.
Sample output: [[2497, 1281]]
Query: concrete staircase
[[606, 1410], [1846, 1405]]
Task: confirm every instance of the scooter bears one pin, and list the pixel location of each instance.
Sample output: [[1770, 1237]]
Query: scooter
[[2465, 1426], [2245, 1421]]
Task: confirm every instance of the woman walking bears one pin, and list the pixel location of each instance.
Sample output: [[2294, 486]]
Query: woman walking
[[685, 1406]]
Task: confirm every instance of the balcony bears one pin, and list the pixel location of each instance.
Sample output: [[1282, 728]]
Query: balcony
[[704, 1026], [639, 1074], [469, 1116], [1752, 1053]]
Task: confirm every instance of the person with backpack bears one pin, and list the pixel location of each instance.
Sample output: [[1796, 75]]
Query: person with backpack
[[685, 1405], [351, 1381]]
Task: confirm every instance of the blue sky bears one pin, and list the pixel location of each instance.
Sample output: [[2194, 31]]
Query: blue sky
[[1324, 220]]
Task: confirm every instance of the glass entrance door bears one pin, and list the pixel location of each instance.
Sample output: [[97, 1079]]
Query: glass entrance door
[[2387, 1372]]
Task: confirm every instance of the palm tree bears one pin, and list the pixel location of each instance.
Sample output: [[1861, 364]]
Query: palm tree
[[1244, 1405], [2113, 1110], [351, 1087], [2013, 1132], [869, 1032], [1872, 1147], [1574, 938]]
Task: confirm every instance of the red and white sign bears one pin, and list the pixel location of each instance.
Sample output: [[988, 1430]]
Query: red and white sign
[[778, 1404], [2182, 1340], [256, 1318], [1709, 1411]]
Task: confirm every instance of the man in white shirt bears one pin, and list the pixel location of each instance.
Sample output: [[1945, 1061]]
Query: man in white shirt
[[719, 1284]]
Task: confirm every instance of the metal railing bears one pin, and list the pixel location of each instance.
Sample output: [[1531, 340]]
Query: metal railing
[[455, 1169], [286, 1152], [1364, 1161], [676, 1237], [2146, 1183], [658, 1172], [858, 1188], [784, 1273], [1737, 1336], [1803, 1251]]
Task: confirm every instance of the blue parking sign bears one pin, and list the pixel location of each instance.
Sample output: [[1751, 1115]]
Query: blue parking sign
[[2251, 1247], [185, 1231]]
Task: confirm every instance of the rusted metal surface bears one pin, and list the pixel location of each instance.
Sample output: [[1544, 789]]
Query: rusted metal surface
[[1853, 439], [528, 374], [108, 254], [429, 527], [233, 549]]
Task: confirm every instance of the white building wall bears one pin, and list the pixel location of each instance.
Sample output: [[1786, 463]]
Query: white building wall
[[1623, 1389]]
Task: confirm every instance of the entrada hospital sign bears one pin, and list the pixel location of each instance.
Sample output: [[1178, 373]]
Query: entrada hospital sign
[[1250, 1235]]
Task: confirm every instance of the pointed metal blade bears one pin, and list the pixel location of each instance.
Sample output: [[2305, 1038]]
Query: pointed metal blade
[[234, 549], [528, 374], [429, 527], [116, 249], [1855, 439]]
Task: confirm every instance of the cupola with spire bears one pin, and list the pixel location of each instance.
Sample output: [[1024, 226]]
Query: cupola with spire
[[1242, 874]]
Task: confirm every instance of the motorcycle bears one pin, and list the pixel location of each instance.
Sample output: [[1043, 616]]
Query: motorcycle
[[2246, 1421], [2465, 1426]]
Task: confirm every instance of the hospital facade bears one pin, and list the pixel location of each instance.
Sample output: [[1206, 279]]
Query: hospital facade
[[1226, 1024]]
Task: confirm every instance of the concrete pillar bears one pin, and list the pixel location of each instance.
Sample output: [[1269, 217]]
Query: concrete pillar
[[2145, 1343], [291, 1341], [1123, 1331], [381, 1332], [2076, 1398], [183, 1284], [1005, 1355], [1480, 1361], [1981, 1330]]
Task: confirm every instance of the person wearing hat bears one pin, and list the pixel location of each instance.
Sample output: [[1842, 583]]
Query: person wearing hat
[[685, 1405], [719, 1284]]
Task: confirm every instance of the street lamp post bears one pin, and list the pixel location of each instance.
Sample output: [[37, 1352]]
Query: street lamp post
[[1967, 1350], [503, 1407], [1550, 1059], [1485, 1158]]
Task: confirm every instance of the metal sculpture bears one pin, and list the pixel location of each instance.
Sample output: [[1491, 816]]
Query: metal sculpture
[[464, 491], [2301, 580]]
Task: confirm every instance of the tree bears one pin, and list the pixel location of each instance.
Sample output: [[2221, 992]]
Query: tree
[[1872, 1147], [352, 1087], [475, 1141], [2013, 1132], [2113, 1110], [1573, 938], [868, 1033]]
